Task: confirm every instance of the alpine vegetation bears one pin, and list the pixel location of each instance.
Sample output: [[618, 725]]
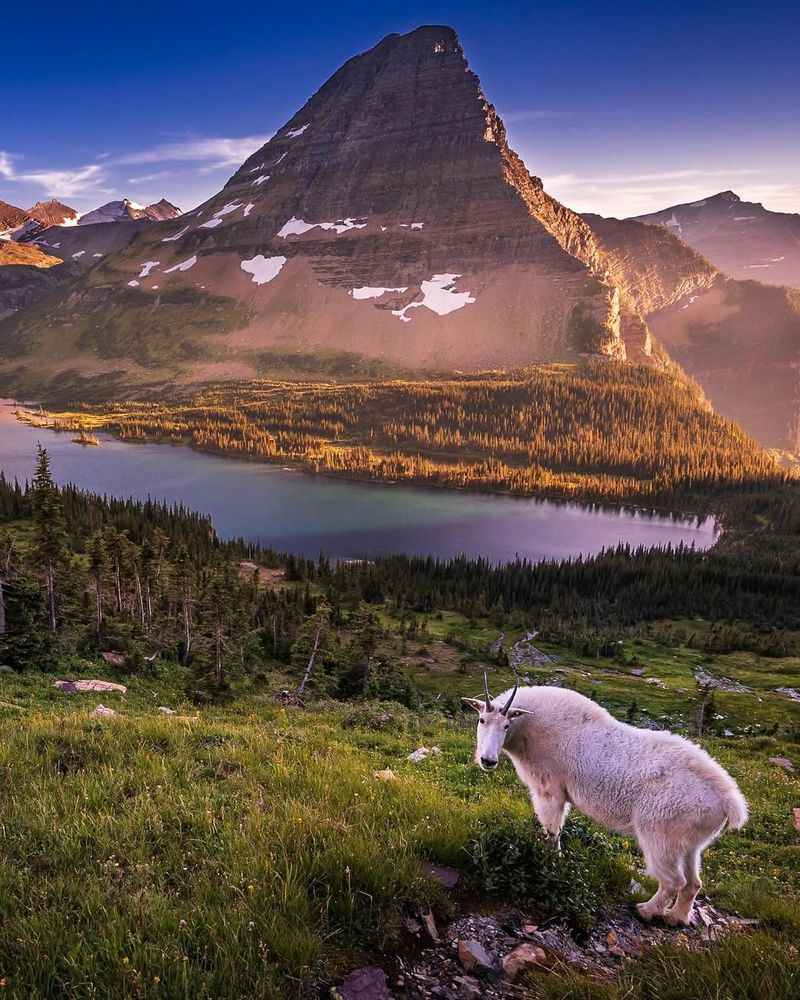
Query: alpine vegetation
[[655, 785]]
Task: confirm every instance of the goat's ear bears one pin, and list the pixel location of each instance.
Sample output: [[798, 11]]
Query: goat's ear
[[477, 703], [514, 713]]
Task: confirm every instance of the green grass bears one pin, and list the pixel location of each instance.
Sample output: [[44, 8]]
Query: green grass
[[252, 852]]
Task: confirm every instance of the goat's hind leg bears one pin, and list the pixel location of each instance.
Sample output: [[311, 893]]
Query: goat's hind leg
[[665, 863], [681, 910]]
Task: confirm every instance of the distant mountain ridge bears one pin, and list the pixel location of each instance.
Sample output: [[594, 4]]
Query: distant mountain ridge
[[739, 339], [126, 210], [741, 238]]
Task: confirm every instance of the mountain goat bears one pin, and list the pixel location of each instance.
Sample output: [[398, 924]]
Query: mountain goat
[[654, 785]]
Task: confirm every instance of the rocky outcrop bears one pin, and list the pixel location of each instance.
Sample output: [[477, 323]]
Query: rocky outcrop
[[53, 213], [740, 340], [126, 210], [11, 217], [741, 238]]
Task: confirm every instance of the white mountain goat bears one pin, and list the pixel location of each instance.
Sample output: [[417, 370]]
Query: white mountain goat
[[654, 785]]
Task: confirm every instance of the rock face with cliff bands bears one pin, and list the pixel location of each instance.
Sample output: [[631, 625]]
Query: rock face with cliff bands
[[739, 339], [388, 217], [741, 238]]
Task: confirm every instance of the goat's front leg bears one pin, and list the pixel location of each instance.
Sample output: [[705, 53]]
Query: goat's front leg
[[551, 810]]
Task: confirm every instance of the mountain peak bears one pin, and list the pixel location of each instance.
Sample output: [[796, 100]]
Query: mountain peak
[[725, 196], [52, 213]]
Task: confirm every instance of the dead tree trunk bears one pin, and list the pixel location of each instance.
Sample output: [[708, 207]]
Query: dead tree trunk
[[310, 667]]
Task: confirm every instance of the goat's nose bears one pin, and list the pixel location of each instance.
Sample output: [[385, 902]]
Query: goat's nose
[[488, 763]]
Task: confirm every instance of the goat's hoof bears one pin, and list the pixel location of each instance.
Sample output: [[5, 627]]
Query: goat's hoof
[[643, 912], [674, 920]]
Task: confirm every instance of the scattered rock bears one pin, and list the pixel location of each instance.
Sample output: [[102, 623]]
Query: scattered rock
[[525, 654], [720, 683], [468, 988], [789, 692], [115, 659], [165, 710], [787, 765], [8, 704], [430, 925], [796, 813], [524, 957], [636, 671], [473, 956], [368, 983], [448, 877], [290, 699], [106, 712], [387, 774], [73, 687], [422, 754]]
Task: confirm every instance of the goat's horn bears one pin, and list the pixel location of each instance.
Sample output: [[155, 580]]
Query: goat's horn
[[504, 711], [486, 692]]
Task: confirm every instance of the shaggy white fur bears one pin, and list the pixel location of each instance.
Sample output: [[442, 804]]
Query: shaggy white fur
[[662, 789]]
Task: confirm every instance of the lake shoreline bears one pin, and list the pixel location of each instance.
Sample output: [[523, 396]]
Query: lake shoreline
[[556, 496], [346, 517]]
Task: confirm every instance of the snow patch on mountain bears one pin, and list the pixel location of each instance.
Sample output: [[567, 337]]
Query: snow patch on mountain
[[184, 266], [294, 132], [438, 295], [296, 227], [248, 208], [370, 292], [261, 179], [263, 269], [217, 217], [147, 267], [177, 236]]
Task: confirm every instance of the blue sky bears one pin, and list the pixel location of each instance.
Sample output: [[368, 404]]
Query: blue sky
[[621, 108]]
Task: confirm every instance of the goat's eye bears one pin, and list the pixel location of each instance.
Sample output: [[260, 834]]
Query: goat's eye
[[506, 726], [482, 722]]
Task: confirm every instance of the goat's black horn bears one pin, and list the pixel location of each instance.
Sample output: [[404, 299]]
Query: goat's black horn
[[486, 692], [504, 711]]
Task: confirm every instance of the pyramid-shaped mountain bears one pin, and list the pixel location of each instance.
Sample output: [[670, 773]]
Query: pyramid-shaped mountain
[[388, 217]]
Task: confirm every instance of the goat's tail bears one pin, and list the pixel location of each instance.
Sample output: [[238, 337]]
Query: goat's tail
[[735, 808]]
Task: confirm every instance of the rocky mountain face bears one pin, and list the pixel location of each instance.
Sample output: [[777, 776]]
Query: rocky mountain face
[[11, 217], [53, 213], [27, 274], [126, 210], [741, 238], [51, 232], [160, 211], [739, 339], [388, 217]]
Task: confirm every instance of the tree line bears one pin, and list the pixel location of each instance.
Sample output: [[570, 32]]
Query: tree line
[[596, 431]]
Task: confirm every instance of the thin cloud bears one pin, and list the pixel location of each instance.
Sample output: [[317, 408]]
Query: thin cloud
[[534, 115], [146, 178], [214, 152], [67, 183], [696, 173]]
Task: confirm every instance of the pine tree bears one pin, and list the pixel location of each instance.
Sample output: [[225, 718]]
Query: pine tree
[[49, 534]]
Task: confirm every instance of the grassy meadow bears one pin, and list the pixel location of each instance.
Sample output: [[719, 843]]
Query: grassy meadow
[[248, 850]]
